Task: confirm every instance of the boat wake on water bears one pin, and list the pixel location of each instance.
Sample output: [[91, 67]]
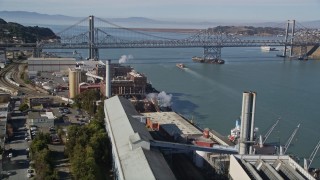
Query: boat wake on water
[[194, 73], [213, 83]]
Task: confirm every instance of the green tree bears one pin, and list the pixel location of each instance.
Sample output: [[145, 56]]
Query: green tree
[[37, 146], [99, 142], [43, 164], [42, 157], [23, 107], [99, 115], [87, 99]]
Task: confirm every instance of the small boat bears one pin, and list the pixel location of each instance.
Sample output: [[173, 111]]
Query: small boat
[[268, 48], [235, 133], [180, 65]]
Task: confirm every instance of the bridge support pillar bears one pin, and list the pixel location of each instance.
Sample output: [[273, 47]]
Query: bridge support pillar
[[292, 36], [303, 52], [36, 52], [93, 51], [293, 24], [96, 53], [212, 52]]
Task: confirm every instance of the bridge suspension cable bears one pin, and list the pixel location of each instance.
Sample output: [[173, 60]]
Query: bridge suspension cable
[[131, 30], [74, 25]]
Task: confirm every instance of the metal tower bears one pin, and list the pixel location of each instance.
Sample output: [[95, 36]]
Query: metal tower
[[292, 27], [93, 51]]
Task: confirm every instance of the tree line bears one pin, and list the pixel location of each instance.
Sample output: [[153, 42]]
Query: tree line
[[88, 146], [42, 157]]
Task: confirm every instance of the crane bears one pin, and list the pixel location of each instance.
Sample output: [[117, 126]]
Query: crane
[[308, 162], [265, 137], [290, 139]]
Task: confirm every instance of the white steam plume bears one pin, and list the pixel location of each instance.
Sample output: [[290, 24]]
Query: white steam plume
[[125, 58], [163, 98]]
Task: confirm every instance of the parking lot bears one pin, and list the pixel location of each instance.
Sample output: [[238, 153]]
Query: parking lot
[[70, 116]]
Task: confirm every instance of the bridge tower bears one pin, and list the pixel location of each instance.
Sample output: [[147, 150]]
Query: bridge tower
[[292, 27], [93, 51], [212, 52], [36, 51]]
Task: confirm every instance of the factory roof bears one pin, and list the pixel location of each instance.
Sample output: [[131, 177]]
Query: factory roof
[[88, 65], [130, 141], [37, 115], [266, 167], [51, 59], [171, 118], [135, 74]]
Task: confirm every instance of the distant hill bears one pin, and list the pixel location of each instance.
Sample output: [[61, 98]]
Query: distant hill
[[24, 17], [15, 32], [33, 18], [249, 30]]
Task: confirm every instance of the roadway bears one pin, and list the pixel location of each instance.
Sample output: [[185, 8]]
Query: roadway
[[18, 164]]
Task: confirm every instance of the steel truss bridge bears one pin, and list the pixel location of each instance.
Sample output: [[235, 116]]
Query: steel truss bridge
[[94, 33]]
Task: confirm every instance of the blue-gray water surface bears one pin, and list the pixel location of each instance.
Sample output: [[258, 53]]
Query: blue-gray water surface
[[211, 94]]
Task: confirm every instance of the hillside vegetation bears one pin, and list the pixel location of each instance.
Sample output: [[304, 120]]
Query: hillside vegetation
[[13, 32], [249, 30]]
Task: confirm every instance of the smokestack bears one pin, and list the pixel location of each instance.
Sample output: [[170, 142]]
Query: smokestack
[[108, 82], [247, 122], [253, 110]]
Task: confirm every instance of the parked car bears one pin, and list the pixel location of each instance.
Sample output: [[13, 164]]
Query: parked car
[[29, 175], [33, 129]]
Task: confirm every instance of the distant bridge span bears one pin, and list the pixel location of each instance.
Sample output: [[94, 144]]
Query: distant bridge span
[[84, 35]]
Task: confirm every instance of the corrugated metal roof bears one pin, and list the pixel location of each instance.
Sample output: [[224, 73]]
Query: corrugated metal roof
[[178, 123], [52, 59], [266, 167], [139, 162]]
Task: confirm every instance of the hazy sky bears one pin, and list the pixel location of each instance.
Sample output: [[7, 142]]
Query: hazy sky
[[187, 10]]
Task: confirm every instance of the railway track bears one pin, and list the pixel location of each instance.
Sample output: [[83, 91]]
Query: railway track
[[15, 85], [3, 81]]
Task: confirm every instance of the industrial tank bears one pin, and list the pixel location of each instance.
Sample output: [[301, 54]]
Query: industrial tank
[[72, 84]]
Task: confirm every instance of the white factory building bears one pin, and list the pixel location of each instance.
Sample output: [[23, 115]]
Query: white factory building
[[50, 64], [132, 155]]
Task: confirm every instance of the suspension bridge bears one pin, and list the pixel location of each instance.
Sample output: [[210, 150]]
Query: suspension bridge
[[94, 33]]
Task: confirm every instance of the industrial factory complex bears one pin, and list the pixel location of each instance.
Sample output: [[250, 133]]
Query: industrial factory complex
[[145, 142], [149, 142]]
